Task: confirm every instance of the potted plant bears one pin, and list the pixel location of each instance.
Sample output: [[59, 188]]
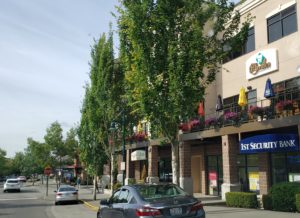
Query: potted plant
[[230, 117], [210, 122], [279, 107], [256, 111]]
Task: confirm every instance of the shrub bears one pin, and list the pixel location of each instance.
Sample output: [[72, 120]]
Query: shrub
[[298, 202], [131, 181], [267, 202], [284, 196], [117, 185], [241, 199]]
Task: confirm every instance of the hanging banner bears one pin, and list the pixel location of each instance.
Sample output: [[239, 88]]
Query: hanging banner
[[270, 143]]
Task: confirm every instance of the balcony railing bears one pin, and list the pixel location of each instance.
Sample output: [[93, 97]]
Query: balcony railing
[[283, 104]]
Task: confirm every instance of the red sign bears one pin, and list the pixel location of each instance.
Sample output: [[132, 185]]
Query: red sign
[[47, 171]]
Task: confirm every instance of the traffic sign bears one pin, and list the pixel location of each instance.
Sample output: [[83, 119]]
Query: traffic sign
[[47, 171]]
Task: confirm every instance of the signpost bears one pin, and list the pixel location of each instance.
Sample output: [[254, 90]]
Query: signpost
[[47, 172]]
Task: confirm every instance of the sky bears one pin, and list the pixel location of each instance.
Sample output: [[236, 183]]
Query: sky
[[44, 55]]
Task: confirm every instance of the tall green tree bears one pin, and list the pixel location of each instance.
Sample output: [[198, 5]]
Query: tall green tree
[[172, 51], [3, 162]]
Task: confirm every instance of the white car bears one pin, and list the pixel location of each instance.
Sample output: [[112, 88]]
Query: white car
[[12, 184], [66, 193]]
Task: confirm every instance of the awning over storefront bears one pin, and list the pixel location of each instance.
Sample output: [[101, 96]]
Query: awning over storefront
[[270, 143], [138, 155]]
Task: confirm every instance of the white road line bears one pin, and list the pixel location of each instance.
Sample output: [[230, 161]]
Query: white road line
[[18, 199]]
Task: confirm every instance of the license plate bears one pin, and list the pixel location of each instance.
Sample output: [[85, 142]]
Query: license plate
[[176, 211]]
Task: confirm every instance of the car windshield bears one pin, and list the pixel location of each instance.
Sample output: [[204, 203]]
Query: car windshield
[[66, 189], [12, 181], [159, 191]]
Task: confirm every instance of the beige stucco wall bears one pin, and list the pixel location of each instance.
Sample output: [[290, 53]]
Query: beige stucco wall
[[288, 49]]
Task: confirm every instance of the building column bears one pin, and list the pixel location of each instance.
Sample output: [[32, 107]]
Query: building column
[[230, 170], [129, 167], [185, 163], [203, 171], [153, 164], [264, 172]]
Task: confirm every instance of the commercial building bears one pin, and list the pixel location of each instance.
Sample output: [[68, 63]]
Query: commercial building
[[248, 146]]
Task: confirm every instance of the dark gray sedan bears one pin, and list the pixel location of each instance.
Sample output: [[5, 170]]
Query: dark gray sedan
[[150, 200]]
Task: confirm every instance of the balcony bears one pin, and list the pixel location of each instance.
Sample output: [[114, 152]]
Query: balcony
[[279, 111]]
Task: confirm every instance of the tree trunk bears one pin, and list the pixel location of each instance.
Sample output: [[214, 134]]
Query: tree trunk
[[175, 162], [94, 192]]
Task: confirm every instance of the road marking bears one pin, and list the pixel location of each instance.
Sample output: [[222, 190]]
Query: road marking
[[18, 199]]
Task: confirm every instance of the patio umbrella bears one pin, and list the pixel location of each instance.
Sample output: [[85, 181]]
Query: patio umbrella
[[242, 98], [201, 109], [268, 89], [219, 105]]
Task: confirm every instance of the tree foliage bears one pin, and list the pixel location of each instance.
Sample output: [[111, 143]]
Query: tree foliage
[[171, 51]]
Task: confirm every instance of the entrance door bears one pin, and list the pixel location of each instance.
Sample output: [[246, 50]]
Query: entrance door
[[214, 174], [196, 173]]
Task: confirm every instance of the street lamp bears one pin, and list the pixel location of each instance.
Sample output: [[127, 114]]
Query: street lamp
[[112, 129]]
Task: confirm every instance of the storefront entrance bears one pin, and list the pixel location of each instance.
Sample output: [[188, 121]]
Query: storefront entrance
[[214, 174], [248, 172]]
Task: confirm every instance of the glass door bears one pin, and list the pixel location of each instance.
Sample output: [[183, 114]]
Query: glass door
[[214, 174]]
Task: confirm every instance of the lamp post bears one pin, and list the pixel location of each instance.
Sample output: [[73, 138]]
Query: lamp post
[[112, 129]]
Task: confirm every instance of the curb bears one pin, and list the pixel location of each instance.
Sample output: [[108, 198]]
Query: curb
[[90, 206]]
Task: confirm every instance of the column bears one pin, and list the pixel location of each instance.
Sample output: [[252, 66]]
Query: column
[[129, 168], [153, 164], [264, 172], [230, 148], [185, 173]]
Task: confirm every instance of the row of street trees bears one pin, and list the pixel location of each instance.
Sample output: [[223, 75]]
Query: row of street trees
[[54, 152], [170, 52]]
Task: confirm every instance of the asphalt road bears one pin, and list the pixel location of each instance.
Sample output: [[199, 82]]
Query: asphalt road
[[31, 202]]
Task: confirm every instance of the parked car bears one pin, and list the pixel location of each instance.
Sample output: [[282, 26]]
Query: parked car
[[22, 178], [66, 193], [150, 200], [12, 184]]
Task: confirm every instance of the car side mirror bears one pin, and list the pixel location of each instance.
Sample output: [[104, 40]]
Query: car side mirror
[[55, 191], [104, 202]]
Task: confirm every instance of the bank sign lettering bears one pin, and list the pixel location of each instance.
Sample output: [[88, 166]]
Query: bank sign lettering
[[261, 63], [270, 143]]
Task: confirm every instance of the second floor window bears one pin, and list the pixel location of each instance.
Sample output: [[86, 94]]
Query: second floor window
[[282, 24], [244, 49]]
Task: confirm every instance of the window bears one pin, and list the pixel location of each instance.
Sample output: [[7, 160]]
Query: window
[[250, 44], [115, 198], [282, 24], [244, 49], [285, 167], [248, 172], [123, 197]]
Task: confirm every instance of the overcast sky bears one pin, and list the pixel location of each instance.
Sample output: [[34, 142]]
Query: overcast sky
[[44, 55]]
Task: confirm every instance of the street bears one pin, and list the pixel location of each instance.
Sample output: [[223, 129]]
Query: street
[[31, 202]]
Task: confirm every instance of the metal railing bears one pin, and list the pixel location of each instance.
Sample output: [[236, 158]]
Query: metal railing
[[284, 103]]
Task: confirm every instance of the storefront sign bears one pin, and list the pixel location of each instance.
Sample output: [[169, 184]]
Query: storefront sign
[[138, 155], [270, 143], [261, 63]]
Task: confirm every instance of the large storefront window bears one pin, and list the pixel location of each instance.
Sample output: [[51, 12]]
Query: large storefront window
[[248, 172], [215, 174], [165, 170], [285, 167]]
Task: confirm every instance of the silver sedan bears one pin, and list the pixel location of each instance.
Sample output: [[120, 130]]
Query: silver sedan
[[66, 193], [148, 201]]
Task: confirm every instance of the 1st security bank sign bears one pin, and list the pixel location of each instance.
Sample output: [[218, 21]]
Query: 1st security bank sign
[[269, 143]]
